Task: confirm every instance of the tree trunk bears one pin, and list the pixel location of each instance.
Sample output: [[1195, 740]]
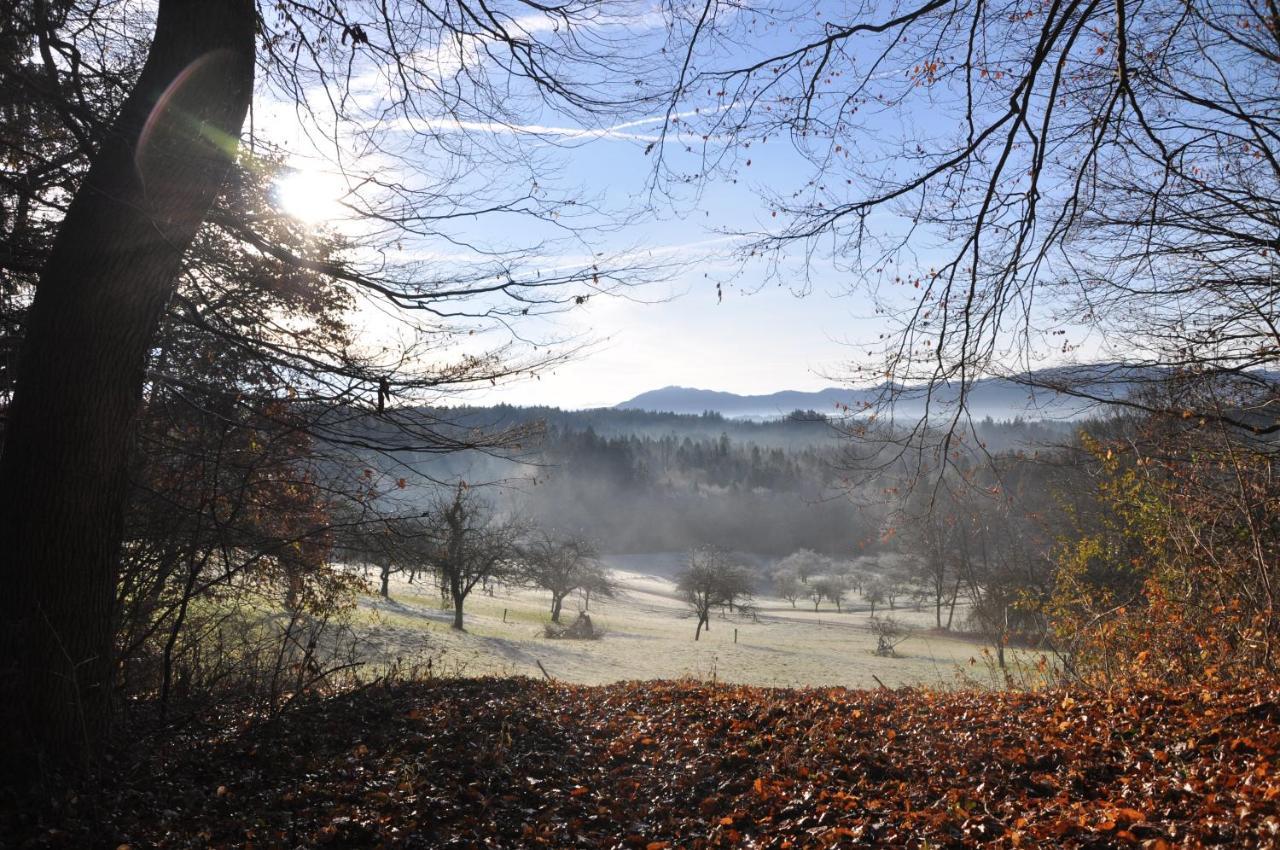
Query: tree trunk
[[951, 610], [108, 279], [1003, 637], [188, 591], [386, 580], [457, 612], [557, 602]]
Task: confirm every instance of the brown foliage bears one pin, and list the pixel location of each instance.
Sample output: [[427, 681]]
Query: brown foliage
[[1173, 582], [518, 763]]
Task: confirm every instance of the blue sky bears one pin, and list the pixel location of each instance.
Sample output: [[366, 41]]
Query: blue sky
[[750, 336], [755, 334]]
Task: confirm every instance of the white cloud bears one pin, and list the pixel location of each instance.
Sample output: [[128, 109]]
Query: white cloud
[[621, 131]]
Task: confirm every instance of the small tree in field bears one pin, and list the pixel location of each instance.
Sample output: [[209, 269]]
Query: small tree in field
[[467, 544], [805, 564], [788, 586], [711, 580], [892, 590], [875, 594], [817, 594], [739, 584], [561, 565], [831, 588]]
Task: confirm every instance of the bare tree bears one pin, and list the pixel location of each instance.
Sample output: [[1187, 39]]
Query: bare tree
[[599, 584], [805, 564], [892, 590], [874, 593], [467, 543], [787, 585], [1008, 182], [393, 543], [561, 564], [102, 291], [711, 580], [932, 531], [831, 588], [142, 151]]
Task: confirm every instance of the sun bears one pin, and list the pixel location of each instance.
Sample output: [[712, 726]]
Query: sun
[[311, 197]]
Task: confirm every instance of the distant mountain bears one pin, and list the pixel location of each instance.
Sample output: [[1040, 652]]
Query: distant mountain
[[695, 401], [999, 398]]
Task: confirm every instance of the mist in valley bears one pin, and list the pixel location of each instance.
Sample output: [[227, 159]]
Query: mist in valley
[[618, 424], [818, 515]]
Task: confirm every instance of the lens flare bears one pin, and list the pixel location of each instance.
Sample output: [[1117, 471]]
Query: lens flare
[[311, 197]]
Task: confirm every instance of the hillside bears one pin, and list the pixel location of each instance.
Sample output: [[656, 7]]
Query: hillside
[[652, 766], [1028, 397]]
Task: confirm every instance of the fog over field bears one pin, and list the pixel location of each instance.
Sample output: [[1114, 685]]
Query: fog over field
[[842, 573], [647, 633]]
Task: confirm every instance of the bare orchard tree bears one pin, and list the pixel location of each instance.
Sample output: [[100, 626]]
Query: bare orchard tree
[[893, 589], [739, 590], [711, 580], [599, 584], [467, 543], [1009, 566], [787, 585], [560, 565], [392, 543], [831, 588], [1011, 182], [874, 593], [805, 564]]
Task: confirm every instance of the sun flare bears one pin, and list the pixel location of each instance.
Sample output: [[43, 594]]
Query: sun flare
[[311, 197]]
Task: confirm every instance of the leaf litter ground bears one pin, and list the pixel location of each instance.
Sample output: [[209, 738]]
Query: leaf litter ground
[[510, 763]]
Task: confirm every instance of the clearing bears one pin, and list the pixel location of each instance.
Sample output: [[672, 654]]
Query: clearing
[[649, 635]]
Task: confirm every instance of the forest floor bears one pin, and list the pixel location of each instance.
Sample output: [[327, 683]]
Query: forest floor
[[522, 763], [649, 634]]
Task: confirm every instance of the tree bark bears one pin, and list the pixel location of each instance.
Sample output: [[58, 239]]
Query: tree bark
[[951, 611], [457, 613], [110, 274]]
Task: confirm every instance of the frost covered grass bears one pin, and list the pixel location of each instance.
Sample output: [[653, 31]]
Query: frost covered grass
[[650, 636]]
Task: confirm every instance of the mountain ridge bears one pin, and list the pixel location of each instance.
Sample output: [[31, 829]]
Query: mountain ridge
[[1000, 398]]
